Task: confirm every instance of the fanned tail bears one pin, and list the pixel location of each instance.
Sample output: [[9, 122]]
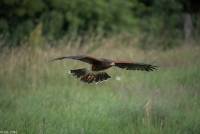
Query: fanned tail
[[92, 77], [89, 77], [79, 72], [101, 77]]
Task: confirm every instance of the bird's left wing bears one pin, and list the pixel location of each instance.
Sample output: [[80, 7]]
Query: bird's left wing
[[82, 58], [135, 66]]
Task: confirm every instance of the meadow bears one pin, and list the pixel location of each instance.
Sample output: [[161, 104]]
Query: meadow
[[39, 97]]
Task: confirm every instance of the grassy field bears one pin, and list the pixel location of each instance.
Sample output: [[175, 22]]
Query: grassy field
[[38, 97]]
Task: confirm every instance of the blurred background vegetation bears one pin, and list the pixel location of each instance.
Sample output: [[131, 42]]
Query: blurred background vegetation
[[163, 23]]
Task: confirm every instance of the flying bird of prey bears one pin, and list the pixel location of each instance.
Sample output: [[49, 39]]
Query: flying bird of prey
[[97, 74]]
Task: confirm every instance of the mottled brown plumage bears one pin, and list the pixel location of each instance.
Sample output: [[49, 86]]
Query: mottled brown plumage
[[100, 65]]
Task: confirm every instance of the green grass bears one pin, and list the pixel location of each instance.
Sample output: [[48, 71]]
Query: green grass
[[40, 97]]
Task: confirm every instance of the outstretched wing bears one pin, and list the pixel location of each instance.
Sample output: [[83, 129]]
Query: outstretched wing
[[82, 58], [135, 66]]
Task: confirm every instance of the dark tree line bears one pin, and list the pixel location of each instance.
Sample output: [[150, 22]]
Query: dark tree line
[[172, 18]]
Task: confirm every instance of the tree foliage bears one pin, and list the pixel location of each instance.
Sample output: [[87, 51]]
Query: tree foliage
[[18, 18]]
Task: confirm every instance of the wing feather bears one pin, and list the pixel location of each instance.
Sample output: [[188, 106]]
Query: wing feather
[[82, 58], [135, 66]]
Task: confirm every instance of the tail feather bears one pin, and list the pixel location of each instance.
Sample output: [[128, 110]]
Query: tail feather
[[79, 72], [92, 77], [101, 77], [89, 77]]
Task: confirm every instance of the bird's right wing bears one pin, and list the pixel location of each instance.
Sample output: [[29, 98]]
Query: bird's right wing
[[135, 66], [82, 58]]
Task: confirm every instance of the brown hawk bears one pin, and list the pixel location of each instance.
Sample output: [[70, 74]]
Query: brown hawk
[[98, 65]]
